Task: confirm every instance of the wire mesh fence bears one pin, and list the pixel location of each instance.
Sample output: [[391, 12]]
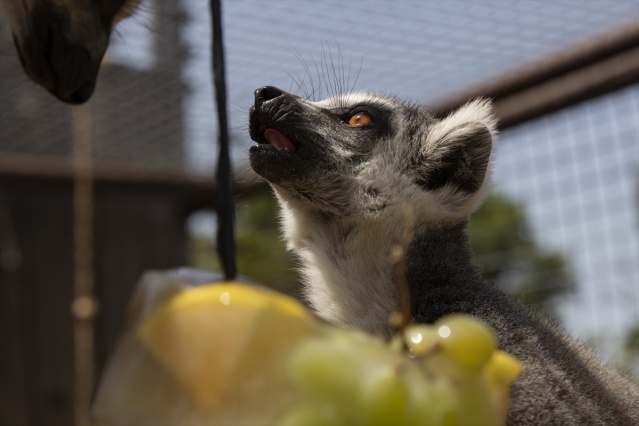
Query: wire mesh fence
[[577, 174], [154, 99], [573, 173]]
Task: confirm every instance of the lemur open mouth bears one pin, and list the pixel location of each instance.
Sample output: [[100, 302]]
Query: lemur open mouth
[[279, 140], [270, 138]]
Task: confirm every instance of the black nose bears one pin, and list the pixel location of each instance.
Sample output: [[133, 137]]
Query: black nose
[[82, 93], [266, 93]]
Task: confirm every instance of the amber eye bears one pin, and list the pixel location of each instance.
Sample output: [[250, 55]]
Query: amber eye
[[360, 118]]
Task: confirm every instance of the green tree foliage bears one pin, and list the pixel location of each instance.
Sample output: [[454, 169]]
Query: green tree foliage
[[509, 255], [261, 252], [630, 354], [631, 342]]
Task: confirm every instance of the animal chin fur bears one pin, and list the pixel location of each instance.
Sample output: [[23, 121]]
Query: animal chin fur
[[344, 284]]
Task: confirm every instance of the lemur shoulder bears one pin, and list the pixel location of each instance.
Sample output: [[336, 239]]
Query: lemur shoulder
[[360, 173]]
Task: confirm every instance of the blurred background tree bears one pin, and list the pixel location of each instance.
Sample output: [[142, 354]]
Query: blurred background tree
[[630, 350], [508, 254], [261, 251]]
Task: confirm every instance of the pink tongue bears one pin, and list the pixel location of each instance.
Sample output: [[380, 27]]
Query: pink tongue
[[279, 140]]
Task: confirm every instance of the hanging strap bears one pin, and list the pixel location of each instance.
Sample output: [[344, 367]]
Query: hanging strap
[[224, 202]]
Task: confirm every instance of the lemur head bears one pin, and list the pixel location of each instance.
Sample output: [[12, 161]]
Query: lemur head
[[361, 154], [357, 174]]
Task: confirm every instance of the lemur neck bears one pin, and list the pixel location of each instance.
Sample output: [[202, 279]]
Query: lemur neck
[[350, 279], [440, 269]]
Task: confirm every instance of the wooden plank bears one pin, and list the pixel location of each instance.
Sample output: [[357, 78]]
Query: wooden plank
[[20, 166], [567, 61], [13, 392], [589, 82], [138, 227], [135, 232], [40, 305]]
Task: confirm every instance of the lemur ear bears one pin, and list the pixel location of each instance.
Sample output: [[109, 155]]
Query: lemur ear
[[456, 152]]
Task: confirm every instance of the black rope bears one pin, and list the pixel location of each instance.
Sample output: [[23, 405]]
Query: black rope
[[224, 201]]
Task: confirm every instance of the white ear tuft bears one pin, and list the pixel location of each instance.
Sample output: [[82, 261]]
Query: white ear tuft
[[476, 111], [455, 157]]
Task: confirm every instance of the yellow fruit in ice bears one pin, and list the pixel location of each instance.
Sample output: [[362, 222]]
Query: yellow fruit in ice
[[216, 339], [229, 353]]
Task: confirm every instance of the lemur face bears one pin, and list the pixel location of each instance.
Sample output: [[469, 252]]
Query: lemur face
[[362, 153], [300, 143]]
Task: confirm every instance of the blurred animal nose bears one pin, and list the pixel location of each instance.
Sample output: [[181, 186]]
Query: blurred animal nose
[[266, 93], [64, 68]]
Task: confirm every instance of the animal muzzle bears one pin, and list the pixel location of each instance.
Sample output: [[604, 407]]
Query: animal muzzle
[[65, 69]]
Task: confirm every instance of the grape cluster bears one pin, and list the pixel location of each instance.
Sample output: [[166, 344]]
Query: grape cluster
[[449, 373], [242, 355]]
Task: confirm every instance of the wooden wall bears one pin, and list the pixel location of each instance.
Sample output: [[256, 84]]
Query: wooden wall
[[137, 227]]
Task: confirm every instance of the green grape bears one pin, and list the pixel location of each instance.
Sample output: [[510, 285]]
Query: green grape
[[466, 340], [384, 398], [324, 369], [421, 339], [433, 402], [396, 344], [307, 414]]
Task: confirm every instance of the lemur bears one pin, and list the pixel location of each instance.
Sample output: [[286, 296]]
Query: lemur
[[361, 173]]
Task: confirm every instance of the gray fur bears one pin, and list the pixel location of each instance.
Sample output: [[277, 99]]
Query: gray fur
[[349, 194]]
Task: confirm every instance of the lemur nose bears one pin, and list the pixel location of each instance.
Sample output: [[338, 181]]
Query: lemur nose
[[266, 93]]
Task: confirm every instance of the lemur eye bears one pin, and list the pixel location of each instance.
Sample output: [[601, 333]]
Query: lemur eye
[[360, 118]]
